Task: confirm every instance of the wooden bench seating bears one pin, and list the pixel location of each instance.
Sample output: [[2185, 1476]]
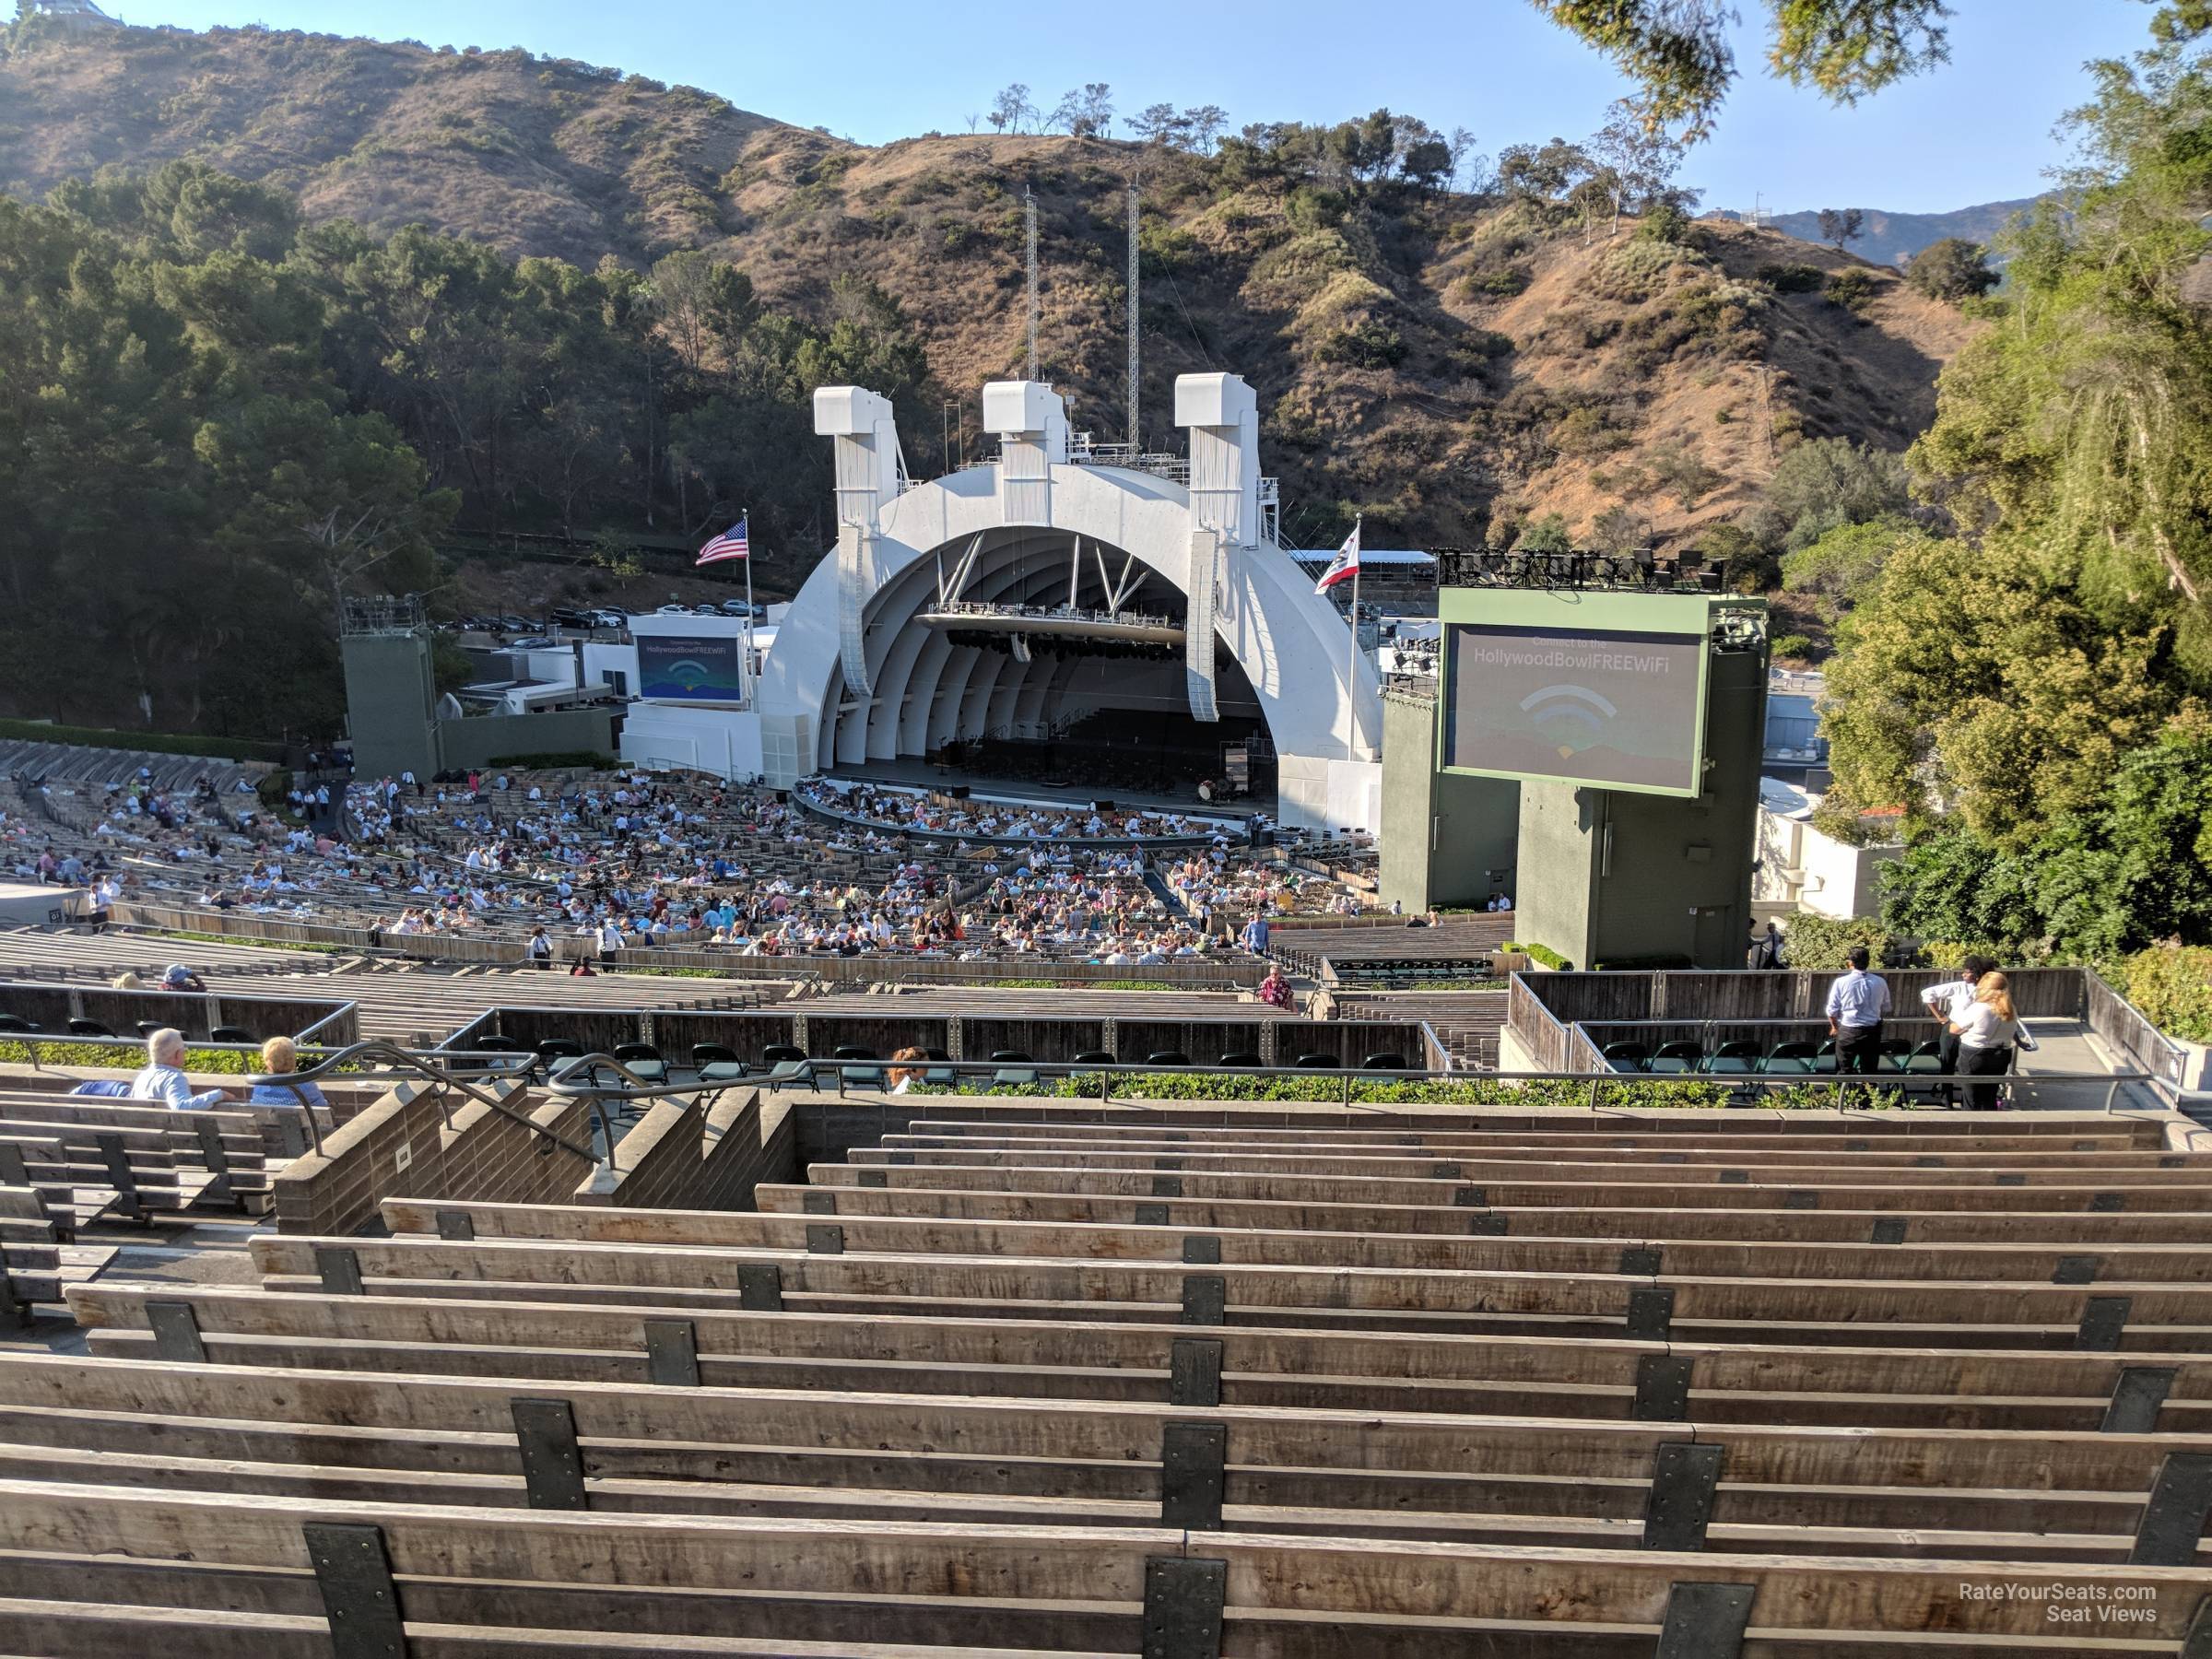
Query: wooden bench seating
[[611, 1583], [1385, 1390], [818, 1453], [1134, 1360], [788, 1229], [2156, 1315], [228, 1146], [36, 1264]]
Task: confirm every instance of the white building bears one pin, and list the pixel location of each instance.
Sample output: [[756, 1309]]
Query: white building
[[864, 665], [1801, 868]]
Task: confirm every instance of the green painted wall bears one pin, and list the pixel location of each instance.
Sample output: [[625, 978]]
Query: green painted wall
[[390, 694], [1443, 835], [1557, 871], [483, 738]]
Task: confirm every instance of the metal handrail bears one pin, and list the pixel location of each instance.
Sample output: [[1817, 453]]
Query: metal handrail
[[400, 1059]]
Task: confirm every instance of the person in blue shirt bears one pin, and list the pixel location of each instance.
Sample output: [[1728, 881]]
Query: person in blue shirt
[[1858, 1003], [280, 1055]]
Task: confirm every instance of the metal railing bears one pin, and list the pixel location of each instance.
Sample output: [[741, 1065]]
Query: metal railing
[[332, 1063]]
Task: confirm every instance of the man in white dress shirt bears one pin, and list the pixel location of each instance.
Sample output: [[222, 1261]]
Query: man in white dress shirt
[[162, 1077], [1856, 1004]]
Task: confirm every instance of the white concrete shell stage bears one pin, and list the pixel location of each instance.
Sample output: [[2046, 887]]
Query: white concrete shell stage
[[857, 676]]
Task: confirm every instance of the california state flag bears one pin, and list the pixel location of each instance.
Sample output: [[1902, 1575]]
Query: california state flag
[[1344, 565]]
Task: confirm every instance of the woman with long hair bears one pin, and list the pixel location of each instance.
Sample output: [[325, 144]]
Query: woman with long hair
[[1988, 1029], [905, 1070]]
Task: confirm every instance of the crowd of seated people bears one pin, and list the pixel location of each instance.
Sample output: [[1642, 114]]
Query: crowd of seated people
[[890, 808], [572, 864], [1216, 885]]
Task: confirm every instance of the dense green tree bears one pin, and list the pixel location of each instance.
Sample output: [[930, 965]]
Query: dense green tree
[[221, 424], [1844, 566], [2127, 870], [1951, 269], [1820, 485]]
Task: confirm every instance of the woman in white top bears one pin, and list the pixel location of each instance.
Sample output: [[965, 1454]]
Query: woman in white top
[[1987, 1032], [1950, 1000]]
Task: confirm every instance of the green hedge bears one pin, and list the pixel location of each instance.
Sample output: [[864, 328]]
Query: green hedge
[[157, 742], [1321, 1087], [1545, 955], [229, 1063]]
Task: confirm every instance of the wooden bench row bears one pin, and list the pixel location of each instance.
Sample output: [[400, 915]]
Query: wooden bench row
[[132, 1157], [827, 1455], [889, 1352], [1560, 1165], [2123, 1191], [274, 1575], [2113, 1152], [36, 1265], [2026, 1260], [2149, 1317], [1170, 1203], [1219, 1397], [1005, 1117]]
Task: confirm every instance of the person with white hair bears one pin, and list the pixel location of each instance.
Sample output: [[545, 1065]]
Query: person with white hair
[[162, 1077]]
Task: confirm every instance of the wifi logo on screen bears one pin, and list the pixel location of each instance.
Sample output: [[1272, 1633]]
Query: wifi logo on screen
[[1573, 717]]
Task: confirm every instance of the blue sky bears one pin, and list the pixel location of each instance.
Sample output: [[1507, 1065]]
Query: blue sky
[[1977, 130]]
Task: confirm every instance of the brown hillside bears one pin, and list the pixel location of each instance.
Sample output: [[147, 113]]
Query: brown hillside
[[1449, 366], [534, 155]]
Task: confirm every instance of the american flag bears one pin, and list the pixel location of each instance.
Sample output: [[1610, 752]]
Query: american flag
[[729, 543]]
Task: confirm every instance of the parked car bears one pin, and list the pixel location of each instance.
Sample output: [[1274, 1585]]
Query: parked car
[[516, 624], [673, 610], [708, 610], [568, 617], [739, 607], [609, 619]]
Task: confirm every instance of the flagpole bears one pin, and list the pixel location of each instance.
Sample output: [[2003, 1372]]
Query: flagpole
[[1351, 663], [746, 518]]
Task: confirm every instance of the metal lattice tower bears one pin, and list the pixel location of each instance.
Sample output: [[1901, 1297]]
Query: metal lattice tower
[[1130, 434], [1029, 204]]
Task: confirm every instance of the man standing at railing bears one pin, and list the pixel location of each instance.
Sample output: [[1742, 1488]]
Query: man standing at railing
[[1857, 1003]]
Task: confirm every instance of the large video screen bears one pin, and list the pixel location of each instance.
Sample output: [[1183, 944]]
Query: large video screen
[[690, 667], [1612, 710]]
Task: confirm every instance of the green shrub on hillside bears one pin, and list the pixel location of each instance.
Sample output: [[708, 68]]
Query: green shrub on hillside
[[1666, 223], [1853, 289], [1501, 284], [1369, 344], [1791, 278]]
